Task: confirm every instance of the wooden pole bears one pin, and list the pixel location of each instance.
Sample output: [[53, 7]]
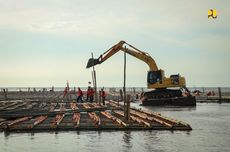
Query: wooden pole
[[93, 79], [5, 94], [126, 105], [95, 82], [124, 88], [128, 108], [100, 97], [95, 88], [220, 96], [121, 95]]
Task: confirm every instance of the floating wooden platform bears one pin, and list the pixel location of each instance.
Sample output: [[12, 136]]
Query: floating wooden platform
[[31, 115]]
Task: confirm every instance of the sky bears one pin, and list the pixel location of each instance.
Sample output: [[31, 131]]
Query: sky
[[47, 42]]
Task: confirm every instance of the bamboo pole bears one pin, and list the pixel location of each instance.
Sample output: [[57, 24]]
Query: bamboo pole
[[95, 82], [5, 94], [126, 105], [220, 96], [128, 108]]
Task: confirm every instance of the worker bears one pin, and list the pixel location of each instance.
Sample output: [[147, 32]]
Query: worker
[[209, 93], [102, 95], [137, 96], [79, 95], [91, 94], [186, 94], [213, 93], [88, 93]]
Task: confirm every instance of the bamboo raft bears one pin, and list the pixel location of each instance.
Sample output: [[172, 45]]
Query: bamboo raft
[[28, 115]]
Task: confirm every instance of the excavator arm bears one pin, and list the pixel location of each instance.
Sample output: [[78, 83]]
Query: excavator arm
[[131, 50]]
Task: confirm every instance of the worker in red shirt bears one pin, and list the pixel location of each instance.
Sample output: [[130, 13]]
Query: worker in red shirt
[[102, 95], [79, 95], [91, 94], [65, 92]]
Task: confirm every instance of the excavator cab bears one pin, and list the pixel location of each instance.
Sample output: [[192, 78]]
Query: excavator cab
[[154, 77]]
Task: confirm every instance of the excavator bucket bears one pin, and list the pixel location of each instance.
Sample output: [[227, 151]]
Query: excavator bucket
[[92, 62]]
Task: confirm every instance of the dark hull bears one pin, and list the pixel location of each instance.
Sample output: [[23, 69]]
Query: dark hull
[[177, 101]]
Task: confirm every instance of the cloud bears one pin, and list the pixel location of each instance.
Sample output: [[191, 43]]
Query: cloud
[[176, 33], [74, 17]]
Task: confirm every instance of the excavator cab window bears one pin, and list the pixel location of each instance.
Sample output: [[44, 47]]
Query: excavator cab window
[[175, 79], [154, 77]]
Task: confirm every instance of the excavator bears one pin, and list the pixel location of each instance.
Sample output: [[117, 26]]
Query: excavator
[[163, 90]]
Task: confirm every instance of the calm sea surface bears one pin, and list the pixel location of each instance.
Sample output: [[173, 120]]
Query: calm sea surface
[[210, 123]]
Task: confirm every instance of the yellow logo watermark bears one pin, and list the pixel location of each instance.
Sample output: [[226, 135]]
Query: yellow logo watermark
[[212, 13]]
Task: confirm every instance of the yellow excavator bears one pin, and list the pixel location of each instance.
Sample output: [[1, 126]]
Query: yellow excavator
[[167, 91]]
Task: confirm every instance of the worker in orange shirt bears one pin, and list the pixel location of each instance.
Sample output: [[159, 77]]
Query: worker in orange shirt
[[79, 95], [102, 95]]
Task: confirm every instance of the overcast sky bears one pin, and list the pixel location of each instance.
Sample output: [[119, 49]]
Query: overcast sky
[[47, 42]]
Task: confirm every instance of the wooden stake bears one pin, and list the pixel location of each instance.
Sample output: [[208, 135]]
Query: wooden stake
[[126, 105], [128, 108], [121, 95], [220, 96], [100, 98], [95, 82], [5, 94]]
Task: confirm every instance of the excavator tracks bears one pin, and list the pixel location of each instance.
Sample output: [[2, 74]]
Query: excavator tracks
[[167, 97]]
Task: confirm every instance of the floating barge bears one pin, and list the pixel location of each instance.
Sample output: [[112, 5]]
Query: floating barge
[[29, 115]]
